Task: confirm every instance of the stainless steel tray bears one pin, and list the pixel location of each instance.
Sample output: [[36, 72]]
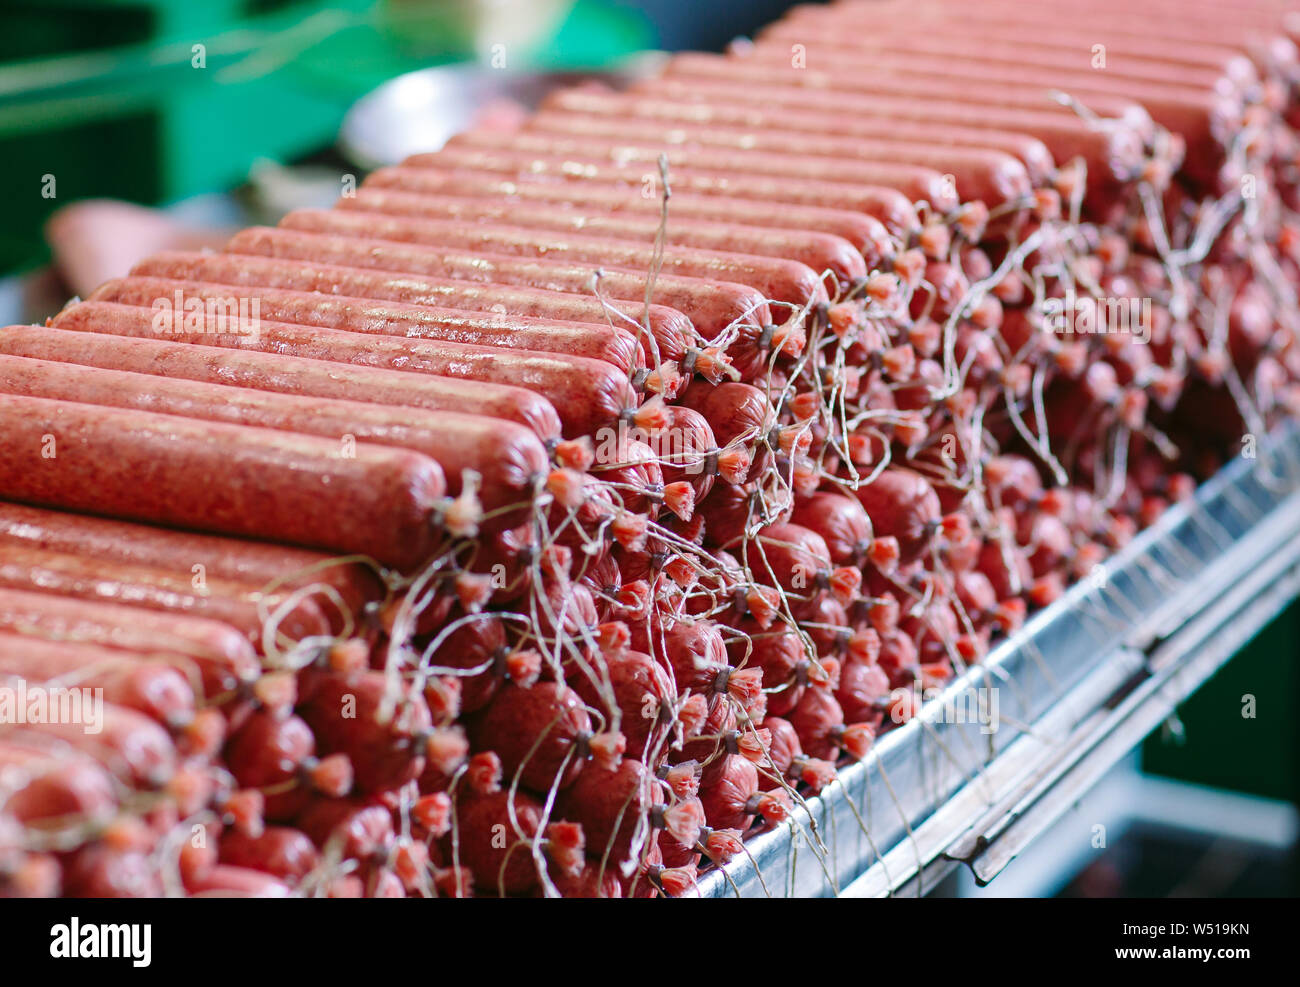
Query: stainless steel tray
[[1077, 687]]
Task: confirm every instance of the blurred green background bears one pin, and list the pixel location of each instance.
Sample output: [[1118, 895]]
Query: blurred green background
[[113, 98]]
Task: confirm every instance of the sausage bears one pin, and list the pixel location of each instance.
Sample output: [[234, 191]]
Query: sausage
[[779, 280], [713, 306], [890, 206], [670, 329], [1197, 113], [587, 393], [634, 688], [148, 685], [689, 67], [129, 744], [270, 750], [1113, 154], [819, 251], [225, 881], [1153, 59], [494, 836], [240, 605], [915, 182], [286, 375], [537, 732], [383, 502], [344, 714], [613, 807], [842, 523], [981, 173], [866, 233], [902, 504], [1141, 30], [602, 342], [280, 851], [223, 656], [188, 556], [44, 785], [734, 411], [780, 653], [616, 111], [507, 456]]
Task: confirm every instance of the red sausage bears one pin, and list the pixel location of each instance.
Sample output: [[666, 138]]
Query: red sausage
[[344, 712], [102, 870], [280, 851], [304, 308], [107, 581], [866, 233], [382, 502], [902, 504], [189, 556], [1153, 60], [819, 251], [1191, 107], [44, 784], [779, 280], [731, 797], [269, 750], [712, 306], [842, 523], [1116, 153], [127, 743], [495, 833], [913, 181], [770, 71], [285, 375], [548, 715], [634, 688], [600, 110], [510, 460], [981, 173], [671, 329], [479, 643], [150, 685], [891, 207], [587, 393], [222, 654]]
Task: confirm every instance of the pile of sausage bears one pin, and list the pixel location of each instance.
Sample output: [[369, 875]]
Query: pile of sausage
[[564, 506]]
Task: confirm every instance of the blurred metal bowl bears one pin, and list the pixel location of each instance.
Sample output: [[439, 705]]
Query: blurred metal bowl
[[419, 111]]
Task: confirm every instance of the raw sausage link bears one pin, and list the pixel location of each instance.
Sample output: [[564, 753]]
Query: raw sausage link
[[867, 234], [258, 483], [223, 656], [783, 281], [819, 251], [285, 375], [236, 604], [917, 183], [891, 206], [600, 342], [713, 306], [578, 111], [671, 329], [508, 457], [586, 393], [981, 173], [186, 555], [147, 685]]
